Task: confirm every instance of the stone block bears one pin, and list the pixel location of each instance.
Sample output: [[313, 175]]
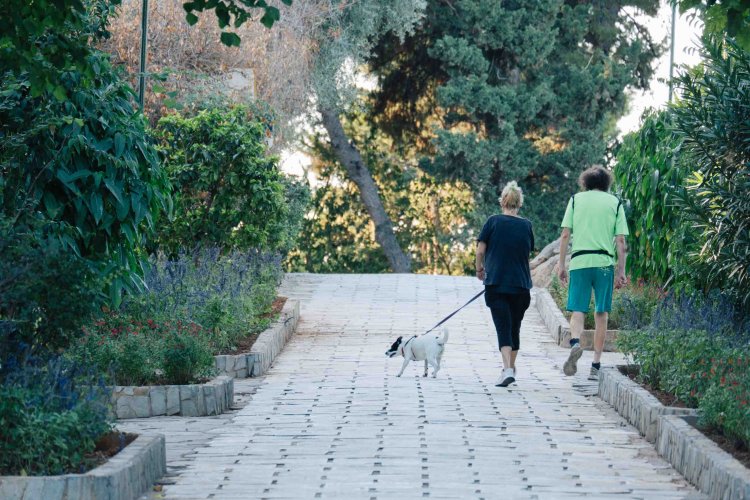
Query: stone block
[[173, 400], [123, 408], [12, 488], [209, 398], [158, 399], [53, 488], [188, 407], [140, 405], [638, 406], [712, 470]]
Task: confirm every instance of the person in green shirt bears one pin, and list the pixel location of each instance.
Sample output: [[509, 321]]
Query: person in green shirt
[[596, 220]]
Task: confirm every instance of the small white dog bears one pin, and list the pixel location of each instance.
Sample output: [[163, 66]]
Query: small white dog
[[428, 348]]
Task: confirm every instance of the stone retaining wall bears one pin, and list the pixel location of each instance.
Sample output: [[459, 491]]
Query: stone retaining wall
[[194, 400], [712, 470], [636, 404], [126, 476], [267, 346], [552, 316]]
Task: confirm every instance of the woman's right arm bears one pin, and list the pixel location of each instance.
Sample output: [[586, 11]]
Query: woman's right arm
[[481, 252]]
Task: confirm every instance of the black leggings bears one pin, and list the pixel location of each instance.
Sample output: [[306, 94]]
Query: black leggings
[[507, 313]]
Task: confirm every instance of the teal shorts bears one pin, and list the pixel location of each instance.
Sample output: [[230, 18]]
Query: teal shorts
[[601, 279]]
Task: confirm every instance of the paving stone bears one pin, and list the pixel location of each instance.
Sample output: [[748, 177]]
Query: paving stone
[[331, 420]]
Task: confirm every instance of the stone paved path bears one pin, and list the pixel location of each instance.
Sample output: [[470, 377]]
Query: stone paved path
[[331, 420]]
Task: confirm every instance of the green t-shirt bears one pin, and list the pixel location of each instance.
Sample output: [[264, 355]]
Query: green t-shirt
[[594, 223]]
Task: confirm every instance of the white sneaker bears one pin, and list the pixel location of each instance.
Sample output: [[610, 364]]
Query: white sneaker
[[508, 377]]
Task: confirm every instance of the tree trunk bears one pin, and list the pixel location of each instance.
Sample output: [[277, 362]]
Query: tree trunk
[[358, 173]]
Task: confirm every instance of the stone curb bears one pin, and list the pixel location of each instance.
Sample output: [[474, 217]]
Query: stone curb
[[638, 406], [712, 470], [559, 327], [194, 400], [553, 318], [267, 346], [125, 476]]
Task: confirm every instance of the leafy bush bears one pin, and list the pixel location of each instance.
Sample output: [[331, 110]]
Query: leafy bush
[[51, 415], [226, 294], [631, 306], [143, 353], [228, 193], [713, 121], [46, 293], [85, 162], [699, 350], [647, 172]]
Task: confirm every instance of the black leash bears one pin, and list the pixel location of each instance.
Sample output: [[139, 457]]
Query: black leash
[[475, 297]]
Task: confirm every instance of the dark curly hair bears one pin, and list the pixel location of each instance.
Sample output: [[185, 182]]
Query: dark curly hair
[[595, 177]]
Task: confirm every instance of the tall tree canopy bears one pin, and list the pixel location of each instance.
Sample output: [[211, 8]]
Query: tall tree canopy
[[495, 91]]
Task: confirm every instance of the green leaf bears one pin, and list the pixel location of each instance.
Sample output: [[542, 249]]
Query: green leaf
[[231, 39], [191, 18], [115, 187], [270, 17], [96, 205], [60, 93], [119, 144]]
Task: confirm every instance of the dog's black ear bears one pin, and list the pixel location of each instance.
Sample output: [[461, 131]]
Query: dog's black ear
[[399, 339]]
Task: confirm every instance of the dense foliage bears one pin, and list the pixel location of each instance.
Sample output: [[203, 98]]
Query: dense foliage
[[529, 91], [722, 17], [79, 156], [151, 352], [51, 415], [713, 121], [699, 350], [34, 314], [227, 191], [648, 172], [194, 306]]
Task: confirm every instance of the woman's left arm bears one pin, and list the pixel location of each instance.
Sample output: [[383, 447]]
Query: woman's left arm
[[481, 252]]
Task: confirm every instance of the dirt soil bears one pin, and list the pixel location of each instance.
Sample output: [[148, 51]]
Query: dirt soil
[[737, 449], [665, 398], [245, 343], [108, 446]]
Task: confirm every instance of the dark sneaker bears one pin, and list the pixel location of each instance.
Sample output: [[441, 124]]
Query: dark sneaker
[[507, 378], [570, 367], [594, 373]]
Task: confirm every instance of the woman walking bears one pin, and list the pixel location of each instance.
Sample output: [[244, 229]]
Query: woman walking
[[502, 263]]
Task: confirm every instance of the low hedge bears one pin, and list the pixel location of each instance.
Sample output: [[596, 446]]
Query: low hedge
[[699, 351], [193, 307]]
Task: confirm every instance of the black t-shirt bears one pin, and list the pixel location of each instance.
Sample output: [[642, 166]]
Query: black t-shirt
[[510, 241]]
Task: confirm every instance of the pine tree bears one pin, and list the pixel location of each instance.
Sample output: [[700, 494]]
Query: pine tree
[[530, 91]]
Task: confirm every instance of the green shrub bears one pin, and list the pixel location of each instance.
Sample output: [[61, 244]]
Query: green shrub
[[647, 172], [697, 349], [228, 193], [135, 352], [46, 292], [713, 120], [51, 415], [228, 295]]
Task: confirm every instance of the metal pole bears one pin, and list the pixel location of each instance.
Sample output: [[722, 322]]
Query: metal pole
[[671, 49], [142, 77]]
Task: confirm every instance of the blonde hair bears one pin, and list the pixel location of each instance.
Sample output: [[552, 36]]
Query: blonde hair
[[512, 196]]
